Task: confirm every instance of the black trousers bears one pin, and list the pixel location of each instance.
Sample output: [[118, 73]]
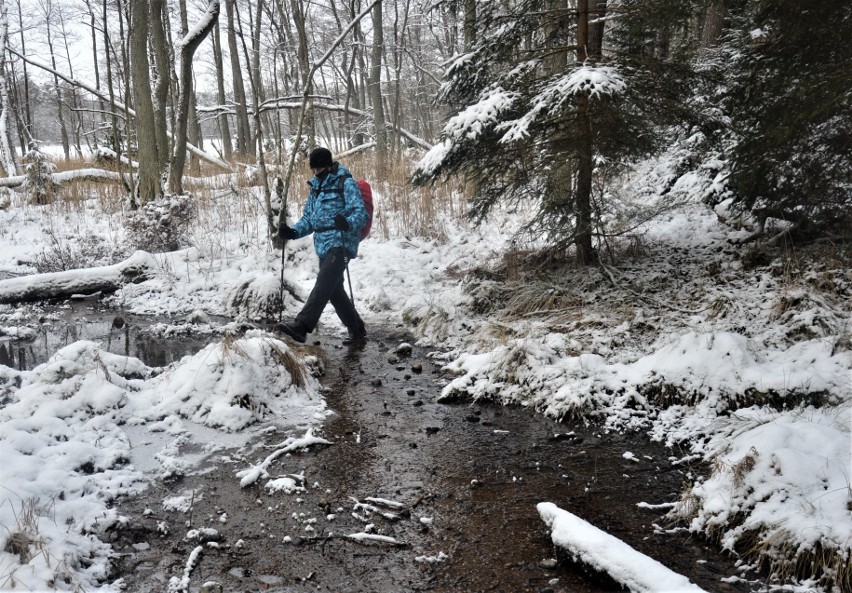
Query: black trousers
[[329, 289]]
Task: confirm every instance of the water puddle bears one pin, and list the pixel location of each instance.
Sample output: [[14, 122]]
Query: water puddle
[[116, 332]]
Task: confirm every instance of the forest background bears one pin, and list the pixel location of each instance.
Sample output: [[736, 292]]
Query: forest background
[[581, 120]]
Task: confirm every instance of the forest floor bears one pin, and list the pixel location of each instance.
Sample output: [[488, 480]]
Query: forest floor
[[465, 479]]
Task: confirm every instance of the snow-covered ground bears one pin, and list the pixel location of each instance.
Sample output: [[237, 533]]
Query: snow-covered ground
[[742, 359]]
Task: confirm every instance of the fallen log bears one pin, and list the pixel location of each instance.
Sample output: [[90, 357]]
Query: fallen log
[[608, 554], [137, 268]]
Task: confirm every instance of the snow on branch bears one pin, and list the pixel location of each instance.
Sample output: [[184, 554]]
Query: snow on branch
[[253, 474], [95, 175], [469, 124], [592, 81], [200, 28], [608, 554]]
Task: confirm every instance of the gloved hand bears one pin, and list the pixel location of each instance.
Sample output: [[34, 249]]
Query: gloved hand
[[287, 233], [340, 223]]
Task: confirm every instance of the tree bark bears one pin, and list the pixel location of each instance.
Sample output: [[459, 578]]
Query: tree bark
[[28, 118], [714, 19], [469, 24], [162, 70], [148, 185], [63, 129], [376, 93], [224, 128], [187, 50], [7, 152], [243, 132], [597, 13], [585, 151], [304, 69]]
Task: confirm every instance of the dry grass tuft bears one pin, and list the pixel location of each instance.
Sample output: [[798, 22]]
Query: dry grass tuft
[[291, 364]]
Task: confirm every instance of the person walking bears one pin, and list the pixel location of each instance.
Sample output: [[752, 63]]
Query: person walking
[[335, 214]]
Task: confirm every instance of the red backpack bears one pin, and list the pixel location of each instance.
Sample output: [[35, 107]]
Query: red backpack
[[367, 196]]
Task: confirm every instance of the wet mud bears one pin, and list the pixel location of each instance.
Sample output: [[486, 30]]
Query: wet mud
[[466, 477]]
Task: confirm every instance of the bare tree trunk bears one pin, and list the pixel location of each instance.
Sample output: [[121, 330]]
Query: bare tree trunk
[[187, 50], [148, 186], [469, 24], [7, 152], [116, 141], [60, 103], [224, 129], [28, 118], [257, 97], [243, 131], [162, 71], [376, 94], [310, 129], [714, 19], [76, 112], [597, 14], [95, 58], [585, 147], [124, 43]]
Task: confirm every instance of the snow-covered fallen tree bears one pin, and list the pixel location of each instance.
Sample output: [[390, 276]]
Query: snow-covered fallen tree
[[137, 268], [599, 550]]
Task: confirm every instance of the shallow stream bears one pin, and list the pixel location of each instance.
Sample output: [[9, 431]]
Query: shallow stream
[[467, 478]]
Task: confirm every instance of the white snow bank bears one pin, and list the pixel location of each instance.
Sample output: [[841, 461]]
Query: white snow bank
[[232, 384], [66, 452], [785, 477], [605, 553], [715, 368]]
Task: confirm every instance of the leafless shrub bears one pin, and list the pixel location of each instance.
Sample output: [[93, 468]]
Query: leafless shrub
[[61, 254]]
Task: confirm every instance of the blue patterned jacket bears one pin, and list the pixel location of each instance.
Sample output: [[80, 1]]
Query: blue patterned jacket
[[324, 202]]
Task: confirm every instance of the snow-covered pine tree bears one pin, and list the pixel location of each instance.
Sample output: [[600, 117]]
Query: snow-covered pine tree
[[546, 93], [790, 104]]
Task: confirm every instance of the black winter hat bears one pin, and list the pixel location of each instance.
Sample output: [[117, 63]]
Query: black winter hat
[[320, 157]]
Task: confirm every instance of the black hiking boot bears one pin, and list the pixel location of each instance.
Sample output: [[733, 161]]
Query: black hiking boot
[[294, 329], [355, 338]]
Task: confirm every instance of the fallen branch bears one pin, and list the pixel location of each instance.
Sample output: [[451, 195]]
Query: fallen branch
[[253, 474], [94, 175], [137, 268], [181, 585], [608, 554], [361, 538]]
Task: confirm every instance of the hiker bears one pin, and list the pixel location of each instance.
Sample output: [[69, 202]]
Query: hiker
[[334, 213]]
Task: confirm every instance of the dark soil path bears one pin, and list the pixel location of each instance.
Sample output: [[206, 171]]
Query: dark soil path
[[468, 478]]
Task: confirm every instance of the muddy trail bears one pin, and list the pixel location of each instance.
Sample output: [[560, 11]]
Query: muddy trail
[[466, 478]]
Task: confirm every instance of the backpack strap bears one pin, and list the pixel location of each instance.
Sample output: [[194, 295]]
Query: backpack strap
[[341, 181]]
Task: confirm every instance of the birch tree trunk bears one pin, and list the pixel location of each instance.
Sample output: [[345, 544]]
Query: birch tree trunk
[[7, 152], [26, 134]]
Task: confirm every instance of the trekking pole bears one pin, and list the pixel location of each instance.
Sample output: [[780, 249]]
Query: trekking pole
[[282, 217], [281, 283], [348, 277]]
